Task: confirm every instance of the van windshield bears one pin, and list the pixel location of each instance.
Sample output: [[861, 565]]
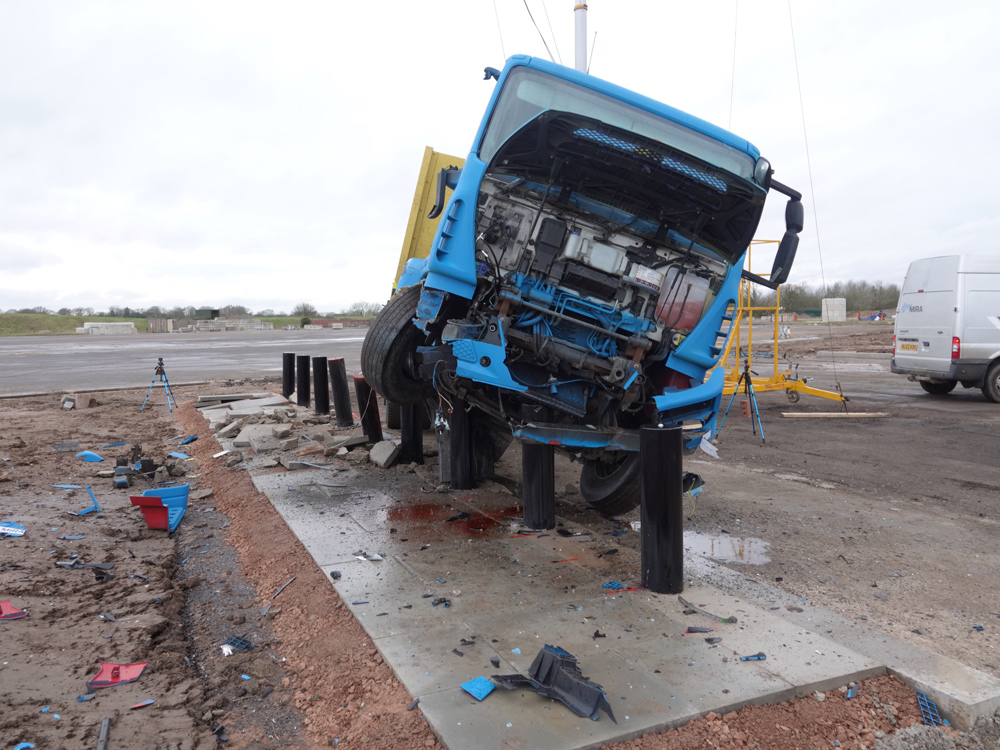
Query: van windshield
[[528, 92]]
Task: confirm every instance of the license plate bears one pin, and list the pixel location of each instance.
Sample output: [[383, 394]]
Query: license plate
[[908, 347]]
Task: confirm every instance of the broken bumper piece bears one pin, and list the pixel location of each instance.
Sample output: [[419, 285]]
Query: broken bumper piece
[[554, 673]]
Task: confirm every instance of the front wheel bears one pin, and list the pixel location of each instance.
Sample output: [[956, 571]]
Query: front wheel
[[389, 348], [938, 389], [612, 487], [991, 384]]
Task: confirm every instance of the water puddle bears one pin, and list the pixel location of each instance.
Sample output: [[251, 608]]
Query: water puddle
[[726, 548]]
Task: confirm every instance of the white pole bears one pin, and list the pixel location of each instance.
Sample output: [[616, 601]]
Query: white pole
[[580, 11]]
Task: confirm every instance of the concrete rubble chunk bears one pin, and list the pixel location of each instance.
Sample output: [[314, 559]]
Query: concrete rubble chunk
[[384, 453], [289, 445], [234, 459], [161, 475], [357, 456], [281, 431], [231, 429], [292, 464]]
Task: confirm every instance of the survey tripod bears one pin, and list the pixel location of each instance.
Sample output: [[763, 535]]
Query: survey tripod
[[751, 398], [160, 373]]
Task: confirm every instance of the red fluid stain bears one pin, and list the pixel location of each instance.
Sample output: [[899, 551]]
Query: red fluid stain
[[419, 512], [480, 525]]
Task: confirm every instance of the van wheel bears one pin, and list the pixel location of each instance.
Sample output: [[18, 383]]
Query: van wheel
[[991, 385], [939, 389]]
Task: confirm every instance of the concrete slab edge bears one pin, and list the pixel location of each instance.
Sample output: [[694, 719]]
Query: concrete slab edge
[[962, 694]]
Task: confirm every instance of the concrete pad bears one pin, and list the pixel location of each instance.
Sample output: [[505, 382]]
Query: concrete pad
[[256, 434], [522, 591]]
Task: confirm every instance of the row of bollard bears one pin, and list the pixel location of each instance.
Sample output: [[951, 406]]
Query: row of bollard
[[295, 379], [660, 454]]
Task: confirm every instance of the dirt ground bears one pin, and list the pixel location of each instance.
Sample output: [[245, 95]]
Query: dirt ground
[[314, 679]]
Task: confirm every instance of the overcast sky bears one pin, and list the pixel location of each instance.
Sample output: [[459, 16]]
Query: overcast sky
[[264, 154]]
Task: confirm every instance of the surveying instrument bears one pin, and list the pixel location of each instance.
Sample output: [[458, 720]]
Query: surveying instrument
[[160, 373], [753, 411]]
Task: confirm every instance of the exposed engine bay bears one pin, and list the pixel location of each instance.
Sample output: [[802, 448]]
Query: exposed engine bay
[[583, 303]]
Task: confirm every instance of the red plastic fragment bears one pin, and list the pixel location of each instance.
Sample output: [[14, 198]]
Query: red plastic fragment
[[112, 674], [142, 704], [154, 511], [9, 612]]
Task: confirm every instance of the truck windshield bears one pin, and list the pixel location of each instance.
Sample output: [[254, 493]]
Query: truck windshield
[[528, 92]]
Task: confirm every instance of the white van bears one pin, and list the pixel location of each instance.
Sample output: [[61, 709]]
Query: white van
[[948, 324]]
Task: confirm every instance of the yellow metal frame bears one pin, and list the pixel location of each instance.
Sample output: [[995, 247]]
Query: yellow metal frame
[[419, 229], [778, 381]]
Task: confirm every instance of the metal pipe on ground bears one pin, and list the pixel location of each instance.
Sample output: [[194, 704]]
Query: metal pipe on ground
[[538, 476], [662, 531], [368, 406], [287, 374], [411, 449], [302, 373], [463, 476], [341, 392], [321, 385]]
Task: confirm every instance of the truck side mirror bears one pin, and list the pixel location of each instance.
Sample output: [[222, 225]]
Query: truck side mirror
[[447, 178], [784, 258]]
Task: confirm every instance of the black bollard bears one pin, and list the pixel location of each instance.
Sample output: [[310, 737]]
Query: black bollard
[[287, 374], [662, 533], [538, 475], [411, 449], [463, 466], [302, 377], [341, 392], [321, 385], [368, 408]]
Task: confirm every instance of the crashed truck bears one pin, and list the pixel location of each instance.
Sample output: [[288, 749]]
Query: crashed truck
[[584, 272]]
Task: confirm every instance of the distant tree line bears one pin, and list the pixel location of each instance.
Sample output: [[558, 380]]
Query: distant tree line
[[303, 309], [860, 295]]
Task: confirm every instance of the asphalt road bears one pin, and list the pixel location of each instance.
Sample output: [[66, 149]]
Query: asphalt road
[[36, 364]]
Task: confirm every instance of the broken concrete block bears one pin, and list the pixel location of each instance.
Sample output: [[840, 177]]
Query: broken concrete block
[[333, 450], [161, 475], [84, 400], [342, 451], [291, 464], [357, 456], [230, 429], [106, 474], [319, 435], [176, 470], [268, 463], [282, 431], [289, 445], [384, 453], [234, 459], [68, 402], [351, 441], [201, 494]]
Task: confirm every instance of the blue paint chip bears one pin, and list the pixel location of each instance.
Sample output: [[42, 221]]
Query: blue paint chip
[[515, 650], [89, 457], [478, 688], [245, 676], [177, 454], [189, 439]]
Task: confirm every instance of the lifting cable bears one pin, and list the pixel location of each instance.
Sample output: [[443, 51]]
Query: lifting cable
[[538, 30], [499, 30], [812, 197], [553, 33], [732, 81]]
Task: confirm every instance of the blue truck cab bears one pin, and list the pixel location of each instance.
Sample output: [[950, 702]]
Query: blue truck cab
[[583, 272]]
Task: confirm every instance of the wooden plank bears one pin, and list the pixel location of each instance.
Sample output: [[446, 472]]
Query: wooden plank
[[835, 415]]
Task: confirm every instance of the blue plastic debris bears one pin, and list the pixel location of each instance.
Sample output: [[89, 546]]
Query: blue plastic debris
[[114, 445], [68, 486], [188, 439], [441, 580], [852, 693], [515, 650], [759, 656], [24, 746], [12, 529], [478, 688], [89, 457], [245, 676], [92, 508], [978, 627], [929, 711], [615, 585], [176, 454], [46, 709]]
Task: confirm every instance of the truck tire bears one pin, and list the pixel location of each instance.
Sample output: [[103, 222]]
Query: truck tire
[[938, 389], [991, 383], [612, 488], [387, 353]]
